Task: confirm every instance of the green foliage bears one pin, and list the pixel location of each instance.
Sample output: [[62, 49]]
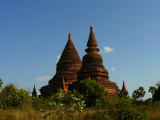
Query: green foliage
[[148, 101], [139, 93], [92, 91], [73, 100], [54, 102], [152, 89], [1, 83], [119, 92], [57, 100], [156, 95], [10, 96], [76, 101], [16, 97], [57, 103], [124, 109], [40, 104]]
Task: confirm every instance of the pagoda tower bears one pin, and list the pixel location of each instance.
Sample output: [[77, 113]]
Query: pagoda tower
[[66, 71], [92, 66], [124, 90]]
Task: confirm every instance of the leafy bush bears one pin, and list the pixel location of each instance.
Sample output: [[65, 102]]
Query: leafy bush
[[73, 100], [10, 96], [76, 101], [57, 101], [92, 91], [124, 109], [40, 104]]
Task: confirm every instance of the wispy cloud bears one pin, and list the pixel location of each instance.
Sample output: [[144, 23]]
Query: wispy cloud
[[108, 49], [58, 57], [43, 78], [113, 69]]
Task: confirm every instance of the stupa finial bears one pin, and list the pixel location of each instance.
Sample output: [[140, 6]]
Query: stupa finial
[[69, 36], [92, 43], [91, 28]]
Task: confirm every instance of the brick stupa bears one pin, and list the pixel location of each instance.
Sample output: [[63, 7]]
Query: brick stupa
[[124, 90], [92, 66], [66, 72]]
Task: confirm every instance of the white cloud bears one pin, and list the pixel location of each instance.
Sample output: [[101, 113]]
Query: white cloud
[[38, 93], [113, 69], [43, 78], [58, 57], [108, 49]]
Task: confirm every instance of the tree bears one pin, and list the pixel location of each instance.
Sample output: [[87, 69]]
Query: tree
[[10, 96], [92, 91], [1, 83], [158, 84], [139, 93], [119, 91], [152, 89], [156, 95], [135, 94]]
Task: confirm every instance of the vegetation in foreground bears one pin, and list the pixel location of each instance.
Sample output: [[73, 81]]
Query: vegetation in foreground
[[88, 102]]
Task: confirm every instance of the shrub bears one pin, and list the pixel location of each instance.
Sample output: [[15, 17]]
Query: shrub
[[92, 91], [10, 96], [39, 104], [57, 100], [124, 109], [76, 101]]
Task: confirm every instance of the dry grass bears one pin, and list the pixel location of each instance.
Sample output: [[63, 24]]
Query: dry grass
[[26, 112], [23, 113], [154, 112]]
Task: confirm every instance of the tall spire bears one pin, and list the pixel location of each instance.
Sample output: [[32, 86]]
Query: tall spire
[[92, 40], [124, 90], [70, 37], [92, 43], [34, 93]]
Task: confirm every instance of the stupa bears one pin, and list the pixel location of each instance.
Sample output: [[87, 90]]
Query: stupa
[[92, 66], [124, 90], [34, 93], [66, 72]]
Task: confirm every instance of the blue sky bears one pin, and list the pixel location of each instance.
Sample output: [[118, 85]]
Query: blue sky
[[34, 33]]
